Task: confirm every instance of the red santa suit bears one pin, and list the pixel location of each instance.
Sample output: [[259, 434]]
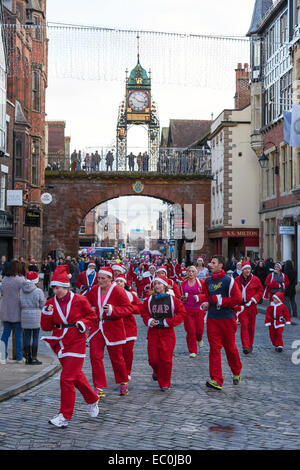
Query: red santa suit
[[108, 331], [252, 292], [170, 312], [222, 294], [130, 326], [273, 286], [174, 289], [194, 320], [277, 316], [68, 319], [87, 279], [173, 271]]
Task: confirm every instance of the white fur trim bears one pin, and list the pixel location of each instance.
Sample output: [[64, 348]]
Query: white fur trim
[[101, 271], [83, 328], [166, 324]]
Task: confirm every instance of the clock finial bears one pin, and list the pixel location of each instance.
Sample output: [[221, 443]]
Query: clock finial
[[138, 47]]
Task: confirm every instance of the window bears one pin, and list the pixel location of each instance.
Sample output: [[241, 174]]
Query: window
[[36, 90], [19, 159], [37, 32], [283, 174], [270, 235], [2, 191], [35, 158]]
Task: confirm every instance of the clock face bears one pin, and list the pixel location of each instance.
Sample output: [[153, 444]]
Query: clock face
[[138, 100]]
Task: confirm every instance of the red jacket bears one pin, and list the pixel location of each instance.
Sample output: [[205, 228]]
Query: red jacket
[[82, 281], [252, 291], [277, 315], [129, 320], [68, 341], [271, 284], [110, 324]]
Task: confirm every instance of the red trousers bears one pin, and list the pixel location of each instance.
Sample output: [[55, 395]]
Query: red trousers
[[161, 344], [72, 377], [221, 334], [97, 346], [276, 336], [194, 327], [128, 354], [247, 320]]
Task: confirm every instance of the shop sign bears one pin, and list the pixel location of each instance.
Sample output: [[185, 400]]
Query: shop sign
[[33, 218], [286, 230]]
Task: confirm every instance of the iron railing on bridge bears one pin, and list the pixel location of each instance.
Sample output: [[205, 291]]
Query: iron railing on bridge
[[165, 161]]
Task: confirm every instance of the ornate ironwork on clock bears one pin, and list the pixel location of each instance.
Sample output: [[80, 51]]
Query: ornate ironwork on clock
[[137, 108]]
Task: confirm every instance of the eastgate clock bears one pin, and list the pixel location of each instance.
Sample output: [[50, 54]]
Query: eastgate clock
[[138, 100]]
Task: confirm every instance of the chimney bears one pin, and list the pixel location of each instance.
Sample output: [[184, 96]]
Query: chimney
[[242, 96]]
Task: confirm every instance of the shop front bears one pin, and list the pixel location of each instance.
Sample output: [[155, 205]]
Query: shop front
[[236, 242]]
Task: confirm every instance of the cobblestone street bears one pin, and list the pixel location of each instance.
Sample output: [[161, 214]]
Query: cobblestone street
[[261, 413]]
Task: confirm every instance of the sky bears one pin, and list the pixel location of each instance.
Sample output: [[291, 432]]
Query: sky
[[90, 108]]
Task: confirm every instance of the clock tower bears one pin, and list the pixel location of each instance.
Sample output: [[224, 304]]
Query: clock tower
[[137, 109]]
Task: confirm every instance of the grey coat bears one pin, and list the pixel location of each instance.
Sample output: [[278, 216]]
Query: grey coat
[[32, 300], [10, 304]]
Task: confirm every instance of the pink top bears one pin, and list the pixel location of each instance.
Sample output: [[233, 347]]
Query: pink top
[[191, 291], [102, 297]]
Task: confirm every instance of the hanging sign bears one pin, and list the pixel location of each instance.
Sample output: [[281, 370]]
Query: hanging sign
[[33, 218]]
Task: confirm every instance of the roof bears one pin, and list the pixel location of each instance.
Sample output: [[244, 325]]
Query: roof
[[138, 77], [183, 132], [260, 9], [19, 115]]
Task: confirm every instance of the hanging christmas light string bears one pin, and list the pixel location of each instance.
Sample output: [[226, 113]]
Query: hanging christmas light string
[[101, 53]]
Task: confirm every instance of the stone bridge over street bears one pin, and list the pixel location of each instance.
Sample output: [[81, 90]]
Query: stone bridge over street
[[75, 194]]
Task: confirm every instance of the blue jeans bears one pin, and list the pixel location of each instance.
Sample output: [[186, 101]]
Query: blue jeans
[[8, 326], [31, 333]]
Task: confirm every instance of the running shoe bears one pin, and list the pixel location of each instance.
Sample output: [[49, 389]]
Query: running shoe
[[213, 384], [124, 389], [236, 379], [59, 421]]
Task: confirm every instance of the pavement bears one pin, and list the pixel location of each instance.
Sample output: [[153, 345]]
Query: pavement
[[17, 378]]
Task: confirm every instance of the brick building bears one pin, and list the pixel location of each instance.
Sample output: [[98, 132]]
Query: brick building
[[57, 146], [274, 39], [25, 30]]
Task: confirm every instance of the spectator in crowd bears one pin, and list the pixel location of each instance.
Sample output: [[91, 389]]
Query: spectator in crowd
[[290, 290], [33, 266], [46, 273], [32, 300], [10, 312]]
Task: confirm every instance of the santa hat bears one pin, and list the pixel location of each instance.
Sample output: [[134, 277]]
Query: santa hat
[[60, 277], [279, 264], [279, 296], [119, 267], [245, 265], [162, 268], [91, 264], [121, 277], [152, 266], [163, 280], [106, 270], [32, 276], [200, 259]]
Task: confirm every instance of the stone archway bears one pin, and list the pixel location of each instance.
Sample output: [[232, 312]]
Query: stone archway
[[74, 195]]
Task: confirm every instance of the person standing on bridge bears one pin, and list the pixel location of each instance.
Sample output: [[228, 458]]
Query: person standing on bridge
[[69, 316], [112, 305]]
